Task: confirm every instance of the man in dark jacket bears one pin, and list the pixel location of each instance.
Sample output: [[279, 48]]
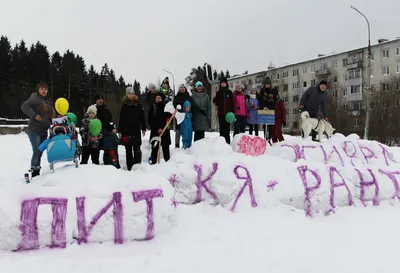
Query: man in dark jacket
[[312, 99], [224, 101], [131, 122], [103, 114]]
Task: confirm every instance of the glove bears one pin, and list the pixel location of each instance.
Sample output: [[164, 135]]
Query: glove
[[203, 112], [126, 139]]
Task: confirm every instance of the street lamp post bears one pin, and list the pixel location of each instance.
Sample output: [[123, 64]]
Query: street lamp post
[[173, 78], [366, 128]]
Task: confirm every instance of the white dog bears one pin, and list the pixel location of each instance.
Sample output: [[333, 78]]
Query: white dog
[[321, 126]]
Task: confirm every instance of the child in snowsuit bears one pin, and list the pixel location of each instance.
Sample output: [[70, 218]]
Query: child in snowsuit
[[252, 106], [186, 126], [91, 144], [110, 145], [158, 119]]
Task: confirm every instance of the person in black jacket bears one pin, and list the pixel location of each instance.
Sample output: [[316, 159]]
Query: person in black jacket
[[131, 122], [224, 101], [103, 114], [158, 119], [314, 98], [267, 101]]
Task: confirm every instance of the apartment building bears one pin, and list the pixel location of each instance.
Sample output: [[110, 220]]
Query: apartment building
[[346, 73]]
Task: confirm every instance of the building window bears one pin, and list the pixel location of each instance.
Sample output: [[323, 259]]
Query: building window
[[231, 85], [295, 111], [335, 79], [334, 63], [344, 92], [304, 70], [296, 98], [277, 76], [355, 89], [397, 51], [304, 84], [385, 70], [312, 82], [285, 74], [295, 125], [344, 77], [312, 68], [398, 68], [385, 53], [385, 86], [397, 103], [285, 87], [334, 93], [345, 107], [295, 72], [345, 62], [285, 99], [296, 85], [356, 122], [355, 73], [250, 81], [357, 106]]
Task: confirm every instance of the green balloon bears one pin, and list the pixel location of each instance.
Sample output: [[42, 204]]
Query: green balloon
[[95, 127], [230, 117], [72, 118]]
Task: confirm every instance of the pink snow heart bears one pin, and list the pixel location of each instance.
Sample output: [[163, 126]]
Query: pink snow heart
[[249, 145]]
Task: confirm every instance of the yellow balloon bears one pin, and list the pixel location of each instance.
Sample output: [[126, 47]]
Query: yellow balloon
[[62, 106]]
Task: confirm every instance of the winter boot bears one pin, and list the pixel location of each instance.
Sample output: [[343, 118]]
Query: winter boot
[[35, 171]]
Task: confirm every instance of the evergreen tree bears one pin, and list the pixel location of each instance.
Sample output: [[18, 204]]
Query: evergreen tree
[[5, 75], [227, 75], [136, 87]]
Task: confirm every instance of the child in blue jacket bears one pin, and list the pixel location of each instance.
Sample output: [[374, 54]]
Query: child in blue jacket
[[186, 126]]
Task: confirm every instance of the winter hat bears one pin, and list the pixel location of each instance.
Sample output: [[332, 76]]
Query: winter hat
[[223, 79], [92, 109], [182, 86], [267, 80], [129, 90], [186, 104], [99, 96], [199, 83], [239, 85], [151, 86], [253, 87], [323, 82], [159, 94]]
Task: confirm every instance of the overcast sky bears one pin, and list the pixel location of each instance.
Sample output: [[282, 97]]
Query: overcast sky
[[138, 38]]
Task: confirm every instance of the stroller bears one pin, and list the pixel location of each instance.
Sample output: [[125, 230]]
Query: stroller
[[62, 144]]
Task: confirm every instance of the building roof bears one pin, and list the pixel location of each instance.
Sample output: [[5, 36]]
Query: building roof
[[316, 59]]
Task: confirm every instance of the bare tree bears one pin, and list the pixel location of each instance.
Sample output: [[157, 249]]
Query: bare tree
[[385, 111]]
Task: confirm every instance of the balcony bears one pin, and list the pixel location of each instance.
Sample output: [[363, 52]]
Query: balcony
[[354, 65], [322, 72]]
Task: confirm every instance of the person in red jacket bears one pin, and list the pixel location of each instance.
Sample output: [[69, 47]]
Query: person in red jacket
[[280, 119]]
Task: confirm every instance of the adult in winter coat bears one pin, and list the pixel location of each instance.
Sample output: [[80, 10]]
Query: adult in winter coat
[[90, 144], [40, 112], [252, 106], [311, 101], [280, 120], [240, 110], [158, 118], [267, 101], [179, 99], [131, 122], [223, 100], [103, 114], [150, 97], [202, 118]]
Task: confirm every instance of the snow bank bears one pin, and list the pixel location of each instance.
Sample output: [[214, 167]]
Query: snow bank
[[315, 178], [77, 198]]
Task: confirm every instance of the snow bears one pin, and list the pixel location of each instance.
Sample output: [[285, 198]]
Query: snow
[[215, 235]]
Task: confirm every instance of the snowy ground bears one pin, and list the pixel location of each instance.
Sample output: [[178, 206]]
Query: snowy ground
[[273, 237]]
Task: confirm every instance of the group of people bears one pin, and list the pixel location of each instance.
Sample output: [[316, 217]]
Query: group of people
[[196, 108], [245, 107]]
